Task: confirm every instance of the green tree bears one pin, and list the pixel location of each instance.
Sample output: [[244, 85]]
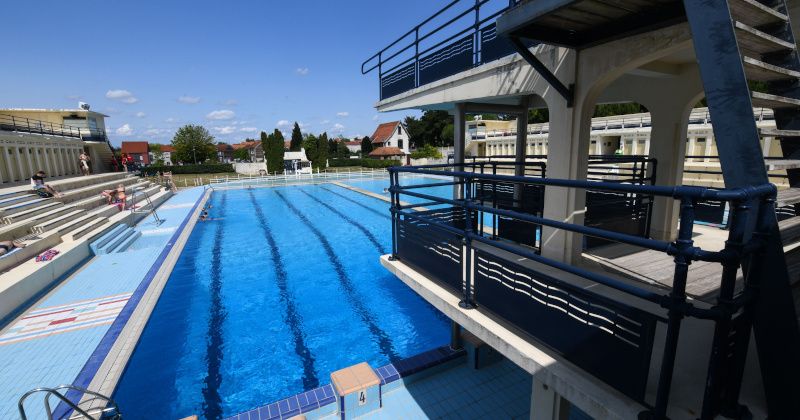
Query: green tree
[[310, 144], [366, 145], [273, 150], [241, 154], [158, 154], [448, 132], [426, 151], [428, 129], [342, 152], [194, 144], [538, 116], [297, 138], [322, 151]]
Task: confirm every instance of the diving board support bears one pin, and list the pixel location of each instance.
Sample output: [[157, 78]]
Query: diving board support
[[568, 93]]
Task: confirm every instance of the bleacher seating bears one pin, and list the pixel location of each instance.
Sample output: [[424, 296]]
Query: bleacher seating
[[42, 223]]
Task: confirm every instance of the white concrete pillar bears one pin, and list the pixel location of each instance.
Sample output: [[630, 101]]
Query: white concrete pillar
[[767, 146], [48, 167], [21, 169], [690, 149], [37, 152], [60, 160], [28, 152], [546, 404], [459, 141], [7, 159], [521, 142]]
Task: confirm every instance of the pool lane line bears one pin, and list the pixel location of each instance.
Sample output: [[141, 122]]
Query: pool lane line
[[379, 213], [346, 218], [212, 402], [383, 340], [293, 319]]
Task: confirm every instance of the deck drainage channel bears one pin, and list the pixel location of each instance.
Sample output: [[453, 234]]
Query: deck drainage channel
[[293, 318], [385, 344]]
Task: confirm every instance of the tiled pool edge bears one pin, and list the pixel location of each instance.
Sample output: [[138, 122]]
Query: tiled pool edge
[[324, 398], [105, 366]]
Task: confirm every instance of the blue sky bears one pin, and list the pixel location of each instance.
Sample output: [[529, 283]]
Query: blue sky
[[237, 67]]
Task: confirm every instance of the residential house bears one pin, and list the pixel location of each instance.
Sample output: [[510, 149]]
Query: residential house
[[390, 141], [254, 149], [138, 151], [166, 154], [224, 153]]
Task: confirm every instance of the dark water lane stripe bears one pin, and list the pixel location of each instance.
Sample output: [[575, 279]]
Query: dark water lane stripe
[[383, 341], [212, 404], [346, 218], [292, 317], [379, 213]]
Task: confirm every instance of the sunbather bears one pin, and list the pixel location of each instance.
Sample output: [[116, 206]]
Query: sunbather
[[110, 194], [8, 246], [37, 183]]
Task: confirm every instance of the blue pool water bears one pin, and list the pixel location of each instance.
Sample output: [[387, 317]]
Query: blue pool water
[[283, 287]]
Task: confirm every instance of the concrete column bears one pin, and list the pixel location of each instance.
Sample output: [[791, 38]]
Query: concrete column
[[28, 152], [2, 159], [9, 167], [767, 146], [521, 143], [60, 160], [37, 151], [690, 149], [18, 155], [459, 141], [48, 168], [546, 404]]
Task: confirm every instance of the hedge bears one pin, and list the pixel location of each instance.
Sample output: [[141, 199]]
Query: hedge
[[188, 169], [366, 163]]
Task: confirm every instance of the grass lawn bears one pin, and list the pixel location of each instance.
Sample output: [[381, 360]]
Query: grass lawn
[[191, 180]]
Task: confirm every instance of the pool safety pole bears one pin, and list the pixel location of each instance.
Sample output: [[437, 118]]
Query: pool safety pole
[[455, 336]]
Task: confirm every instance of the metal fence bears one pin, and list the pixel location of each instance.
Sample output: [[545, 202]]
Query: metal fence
[[603, 325], [458, 37], [27, 125], [245, 181]]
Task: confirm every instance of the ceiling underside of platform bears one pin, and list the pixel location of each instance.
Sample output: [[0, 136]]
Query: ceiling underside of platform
[[585, 23]]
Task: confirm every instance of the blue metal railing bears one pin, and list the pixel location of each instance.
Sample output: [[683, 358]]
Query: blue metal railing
[[430, 51], [609, 336]]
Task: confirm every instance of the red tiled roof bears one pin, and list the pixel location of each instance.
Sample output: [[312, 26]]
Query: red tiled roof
[[134, 147], [246, 145], [167, 148], [287, 144], [384, 131], [353, 143], [386, 151], [224, 147]]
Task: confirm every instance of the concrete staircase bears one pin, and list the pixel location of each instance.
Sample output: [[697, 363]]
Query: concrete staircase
[[116, 240]]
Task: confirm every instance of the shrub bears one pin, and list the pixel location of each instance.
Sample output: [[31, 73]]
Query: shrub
[[188, 169], [426, 151], [366, 163]]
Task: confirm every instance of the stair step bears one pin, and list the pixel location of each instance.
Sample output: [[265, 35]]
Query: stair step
[[127, 242], [109, 236], [75, 223], [116, 241], [788, 196], [85, 228], [30, 211], [767, 100], [765, 72], [58, 221], [759, 42], [12, 208], [4, 201], [778, 164], [774, 132], [754, 13], [790, 230]]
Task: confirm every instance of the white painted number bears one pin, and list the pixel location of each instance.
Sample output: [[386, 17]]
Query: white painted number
[[362, 397]]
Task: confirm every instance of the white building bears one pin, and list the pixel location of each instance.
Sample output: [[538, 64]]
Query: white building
[[389, 141], [296, 162]]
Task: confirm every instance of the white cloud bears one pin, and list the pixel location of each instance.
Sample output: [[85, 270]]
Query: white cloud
[[228, 129], [337, 128], [140, 114], [375, 118], [230, 102], [342, 114], [188, 99], [248, 129], [158, 132], [170, 120], [302, 71], [122, 95], [125, 130], [222, 114], [283, 124]]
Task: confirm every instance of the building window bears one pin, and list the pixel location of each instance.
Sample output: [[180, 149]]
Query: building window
[[400, 143], [398, 129]]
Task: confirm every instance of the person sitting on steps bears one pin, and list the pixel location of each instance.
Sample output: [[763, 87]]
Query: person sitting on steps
[[38, 185]]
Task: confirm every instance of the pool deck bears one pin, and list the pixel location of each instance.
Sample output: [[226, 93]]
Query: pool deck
[[65, 336]]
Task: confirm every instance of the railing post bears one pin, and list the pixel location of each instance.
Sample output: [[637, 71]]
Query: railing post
[[394, 199], [677, 297], [416, 56], [466, 240], [476, 39]]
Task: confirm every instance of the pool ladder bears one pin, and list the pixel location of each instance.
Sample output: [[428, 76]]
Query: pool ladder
[[98, 406], [149, 203]]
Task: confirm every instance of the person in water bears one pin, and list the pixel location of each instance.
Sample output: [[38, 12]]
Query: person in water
[[37, 183], [8, 246]]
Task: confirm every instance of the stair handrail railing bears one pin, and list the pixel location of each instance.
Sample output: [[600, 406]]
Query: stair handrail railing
[[56, 392]]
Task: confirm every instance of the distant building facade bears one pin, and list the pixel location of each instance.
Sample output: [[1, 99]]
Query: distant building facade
[[390, 141], [254, 149], [139, 151]]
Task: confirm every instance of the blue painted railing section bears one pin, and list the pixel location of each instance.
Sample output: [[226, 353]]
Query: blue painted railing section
[[608, 334], [460, 36]]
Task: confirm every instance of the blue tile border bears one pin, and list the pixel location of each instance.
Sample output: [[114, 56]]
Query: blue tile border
[[305, 402], [92, 365]]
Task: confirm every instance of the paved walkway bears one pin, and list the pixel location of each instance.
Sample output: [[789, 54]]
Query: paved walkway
[[53, 342]]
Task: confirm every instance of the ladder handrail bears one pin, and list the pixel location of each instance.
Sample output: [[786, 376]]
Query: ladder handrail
[[55, 391]]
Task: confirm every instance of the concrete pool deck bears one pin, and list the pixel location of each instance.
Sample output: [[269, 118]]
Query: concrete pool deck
[[65, 336]]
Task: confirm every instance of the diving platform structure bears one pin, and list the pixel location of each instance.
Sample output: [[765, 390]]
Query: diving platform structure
[[506, 257]]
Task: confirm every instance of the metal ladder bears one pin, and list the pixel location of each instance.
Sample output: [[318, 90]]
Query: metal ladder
[[149, 203], [100, 407], [748, 57]]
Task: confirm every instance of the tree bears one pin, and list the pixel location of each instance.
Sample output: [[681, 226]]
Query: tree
[[448, 132], [366, 145], [310, 144], [342, 152], [193, 143], [322, 151], [426, 151], [241, 154], [273, 150], [297, 138], [428, 128], [158, 154]]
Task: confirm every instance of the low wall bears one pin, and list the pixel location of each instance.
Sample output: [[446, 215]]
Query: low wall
[[250, 168]]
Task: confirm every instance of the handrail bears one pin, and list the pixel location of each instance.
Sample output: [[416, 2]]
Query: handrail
[[55, 392], [14, 123]]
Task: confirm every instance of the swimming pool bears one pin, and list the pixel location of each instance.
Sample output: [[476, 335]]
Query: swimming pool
[[280, 288]]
